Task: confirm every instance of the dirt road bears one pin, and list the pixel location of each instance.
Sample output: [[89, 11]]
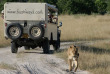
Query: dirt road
[[33, 62]]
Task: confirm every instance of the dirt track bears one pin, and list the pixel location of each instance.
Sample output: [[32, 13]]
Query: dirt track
[[34, 62]]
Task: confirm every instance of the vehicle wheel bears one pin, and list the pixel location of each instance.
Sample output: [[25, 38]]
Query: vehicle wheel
[[14, 47], [26, 47], [46, 46], [56, 45], [14, 31], [36, 32]]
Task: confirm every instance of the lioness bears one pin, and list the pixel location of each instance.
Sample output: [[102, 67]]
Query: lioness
[[73, 57]]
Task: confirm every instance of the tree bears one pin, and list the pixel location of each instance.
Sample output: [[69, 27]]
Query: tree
[[76, 6], [61, 5], [108, 6], [72, 6], [2, 4], [101, 6]]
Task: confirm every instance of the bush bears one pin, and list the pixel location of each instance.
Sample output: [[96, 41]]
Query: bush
[[108, 6], [1, 5], [101, 6]]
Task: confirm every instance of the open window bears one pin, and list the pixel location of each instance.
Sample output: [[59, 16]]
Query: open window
[[52, 14]]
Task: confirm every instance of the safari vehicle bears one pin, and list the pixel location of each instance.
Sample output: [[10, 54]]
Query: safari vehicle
[[32, 25]]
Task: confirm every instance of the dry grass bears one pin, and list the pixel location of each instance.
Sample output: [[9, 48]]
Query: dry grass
[[84, 27], [3, 41], [104, 44], [7, 66], [22, 54], [94, 58]]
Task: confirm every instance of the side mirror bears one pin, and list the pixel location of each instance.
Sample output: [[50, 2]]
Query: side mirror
[[60, 24]]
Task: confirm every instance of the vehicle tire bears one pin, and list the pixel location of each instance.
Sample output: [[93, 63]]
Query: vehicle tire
[[56, 44], [14, 31], [26, 47], [46, 47], [14, 47], [36, 32]]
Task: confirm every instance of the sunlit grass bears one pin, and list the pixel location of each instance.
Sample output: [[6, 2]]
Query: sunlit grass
[[94, 58], [85, 27], [3, 41]]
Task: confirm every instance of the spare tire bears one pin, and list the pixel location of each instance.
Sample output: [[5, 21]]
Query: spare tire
[[36, 32], [14, 31]]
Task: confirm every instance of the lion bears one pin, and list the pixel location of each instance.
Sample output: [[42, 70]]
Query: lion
[[73, 57]]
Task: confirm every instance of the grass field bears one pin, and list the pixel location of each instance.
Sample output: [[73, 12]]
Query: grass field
[[3, 41], [95, 57], [84, 27]]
